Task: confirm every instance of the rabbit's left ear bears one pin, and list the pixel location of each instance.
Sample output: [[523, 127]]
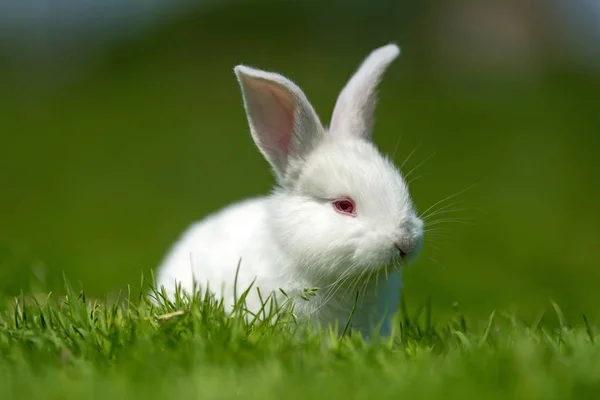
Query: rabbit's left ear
[[283, 123], [355, 107]]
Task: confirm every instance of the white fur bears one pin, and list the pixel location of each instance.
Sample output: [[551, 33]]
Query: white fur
[[293, 238]]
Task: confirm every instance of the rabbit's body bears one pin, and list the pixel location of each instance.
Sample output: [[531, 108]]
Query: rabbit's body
[[210, 251], [212, 248], [340, 219]]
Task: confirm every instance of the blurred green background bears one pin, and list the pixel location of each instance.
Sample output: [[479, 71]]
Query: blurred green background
[[111, 145]]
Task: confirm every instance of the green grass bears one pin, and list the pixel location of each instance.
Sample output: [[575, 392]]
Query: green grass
[[73, 347], [99, 175]]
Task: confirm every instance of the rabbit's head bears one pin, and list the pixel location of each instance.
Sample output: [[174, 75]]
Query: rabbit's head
[[340, 206]]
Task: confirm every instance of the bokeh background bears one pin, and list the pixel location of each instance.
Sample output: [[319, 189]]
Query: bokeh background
[[121, 122]]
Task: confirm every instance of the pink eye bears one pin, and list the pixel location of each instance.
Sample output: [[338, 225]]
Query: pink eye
[[345, 206]]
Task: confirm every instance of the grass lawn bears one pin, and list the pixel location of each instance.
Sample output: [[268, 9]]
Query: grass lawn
[[103, 164], [73, 347]]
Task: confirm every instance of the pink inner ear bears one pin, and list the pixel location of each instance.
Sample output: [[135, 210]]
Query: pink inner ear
[[287, 123], [276, 121]]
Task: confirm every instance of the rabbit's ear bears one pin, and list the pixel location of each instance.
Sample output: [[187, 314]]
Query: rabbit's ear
[[355, 107], [282, 122]]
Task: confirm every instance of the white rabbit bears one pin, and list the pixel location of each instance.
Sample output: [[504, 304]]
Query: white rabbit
[[340, 219]]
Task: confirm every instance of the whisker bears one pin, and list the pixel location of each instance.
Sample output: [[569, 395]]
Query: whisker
[[439, 212], [435, 247], [354, 279], [437, 232], [443, 207], [418, 165], [448, 198], [364, 287], [433, 239], [335, 287], [409, 156], [436, 235], [416, 178], [455, 219], [344, 275], [353, 283], [432, 232], [332, 288], [449, 220], [396, 148]]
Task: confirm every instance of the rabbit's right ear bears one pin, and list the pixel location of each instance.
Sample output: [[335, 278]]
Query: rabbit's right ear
[[282, 122]]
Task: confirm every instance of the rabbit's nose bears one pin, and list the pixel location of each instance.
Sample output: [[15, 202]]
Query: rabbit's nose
[[404, 247]]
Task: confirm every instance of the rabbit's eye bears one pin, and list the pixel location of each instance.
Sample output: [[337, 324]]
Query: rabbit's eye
[[345, 206]]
